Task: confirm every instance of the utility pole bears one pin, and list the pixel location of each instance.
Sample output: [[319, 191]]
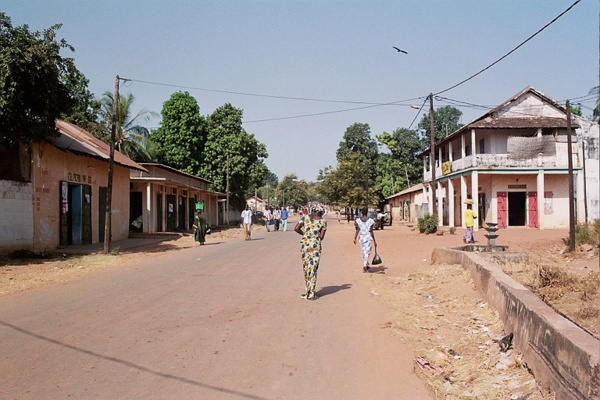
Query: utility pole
[[111, 164], [571, 189], [227, 191], [432, 157], [585, 207]]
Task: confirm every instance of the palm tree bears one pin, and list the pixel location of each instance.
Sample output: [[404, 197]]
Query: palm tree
[[132, 139]]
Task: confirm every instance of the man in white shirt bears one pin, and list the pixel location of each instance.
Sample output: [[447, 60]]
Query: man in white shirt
[[247, 221]]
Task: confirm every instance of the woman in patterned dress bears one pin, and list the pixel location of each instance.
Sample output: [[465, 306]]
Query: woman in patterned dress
[[312, 227], [364, 232]]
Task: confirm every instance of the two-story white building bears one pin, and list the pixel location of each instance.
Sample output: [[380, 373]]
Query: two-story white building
[[513, 162]]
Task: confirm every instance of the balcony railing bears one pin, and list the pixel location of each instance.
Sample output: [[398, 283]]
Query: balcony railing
[[504, 161]]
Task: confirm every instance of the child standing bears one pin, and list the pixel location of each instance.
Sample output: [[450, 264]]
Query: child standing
[[470, 217]]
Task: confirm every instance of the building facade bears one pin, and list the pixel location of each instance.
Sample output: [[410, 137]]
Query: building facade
[[163, 199], [55, 195], [513, 163]]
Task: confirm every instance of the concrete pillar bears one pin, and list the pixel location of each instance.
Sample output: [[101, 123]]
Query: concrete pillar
[[474, 196], [580, 195], [440, 204], [540, 198], [463, 197], [164, 209], [450, 203], [147, 204], [474, 148]]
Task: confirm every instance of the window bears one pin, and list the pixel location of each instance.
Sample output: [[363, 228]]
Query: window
[[16, 163], [482, 146]]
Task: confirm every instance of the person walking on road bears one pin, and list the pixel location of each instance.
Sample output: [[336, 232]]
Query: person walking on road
[[366, 237], [284, 216], [276, 218], [200, 225], [268, 218], [247, 221], [470, 217], [312, 227]]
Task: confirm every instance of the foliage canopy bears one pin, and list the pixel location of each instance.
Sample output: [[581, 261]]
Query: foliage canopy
[[36, 82]]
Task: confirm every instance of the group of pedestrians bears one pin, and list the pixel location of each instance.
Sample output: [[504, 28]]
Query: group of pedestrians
[[276, 216], [313, 227]]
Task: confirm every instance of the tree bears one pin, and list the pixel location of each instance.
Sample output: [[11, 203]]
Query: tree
[[228, 143], [86, 109], [292, 192], [356, 156], [181, 135], [576, 109], [357, 140], [346, 185], [405, 145], [390, 177], [446, 121], [132, 139], [35, 82], [266, 183]]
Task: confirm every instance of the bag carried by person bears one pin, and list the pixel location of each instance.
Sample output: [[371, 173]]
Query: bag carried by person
[[376, 259]]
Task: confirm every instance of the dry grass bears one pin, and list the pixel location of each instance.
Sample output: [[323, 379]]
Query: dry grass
[[439, 312], [575, 295]]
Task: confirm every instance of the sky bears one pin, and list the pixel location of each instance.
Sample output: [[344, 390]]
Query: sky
[[304, 71]]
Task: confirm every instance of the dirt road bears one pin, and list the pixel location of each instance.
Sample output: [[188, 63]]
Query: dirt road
[[221, 321]]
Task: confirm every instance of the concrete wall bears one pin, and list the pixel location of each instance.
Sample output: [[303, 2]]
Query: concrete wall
[[16, 217], [562, 356]]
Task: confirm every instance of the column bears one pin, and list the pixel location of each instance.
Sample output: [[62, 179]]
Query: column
[[463, 197], [450, 202], [440, 205], [540, 198], [164, 209], [473, 149], [474, 195], [580, 195], [147, 219]]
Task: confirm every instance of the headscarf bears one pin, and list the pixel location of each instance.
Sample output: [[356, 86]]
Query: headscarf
[[319, 209]]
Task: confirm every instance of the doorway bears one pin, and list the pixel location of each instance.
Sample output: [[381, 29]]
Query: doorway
[[136, 221], [76, 214], [171, 212], [517, 209]]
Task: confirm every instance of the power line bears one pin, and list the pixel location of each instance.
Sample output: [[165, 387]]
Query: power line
[[333, 112], [510, 52], [264, 95]]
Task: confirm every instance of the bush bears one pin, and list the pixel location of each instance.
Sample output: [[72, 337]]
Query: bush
[[428, 223], [586, 234]]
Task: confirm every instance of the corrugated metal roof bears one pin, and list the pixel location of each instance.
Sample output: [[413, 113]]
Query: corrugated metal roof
[[416, 188], [79, 141], [174, 170], [496, 122]]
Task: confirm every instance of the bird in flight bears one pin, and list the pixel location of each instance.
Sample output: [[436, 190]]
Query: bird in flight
[[399, 50]]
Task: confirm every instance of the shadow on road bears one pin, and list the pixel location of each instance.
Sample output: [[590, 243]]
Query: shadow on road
[[327, 290], [133, 365]]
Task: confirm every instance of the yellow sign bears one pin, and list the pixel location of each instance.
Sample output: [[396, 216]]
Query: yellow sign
[[446, 167]]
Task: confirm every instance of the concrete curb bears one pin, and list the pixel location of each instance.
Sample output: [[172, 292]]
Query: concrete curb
[[563, 357]]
